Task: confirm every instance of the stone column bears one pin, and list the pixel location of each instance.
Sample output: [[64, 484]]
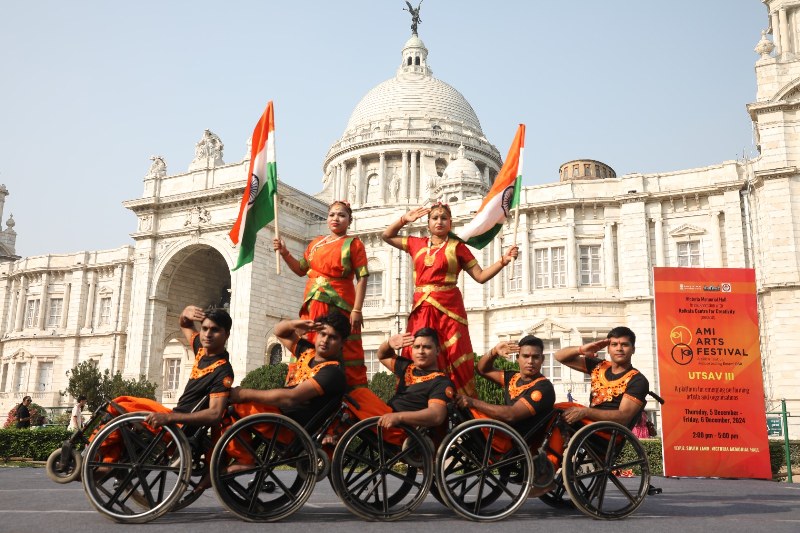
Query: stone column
[[634, 231], [572, 257], [404, 177], [784, 31], [716, 240], [659, 230], [609, 256], [525, 251], [21, 298], [12, 305], [89, 318], [413, 195], [486, 177], [43, 300], [776, 33], [382, 177], [360, 185], [65, 305]]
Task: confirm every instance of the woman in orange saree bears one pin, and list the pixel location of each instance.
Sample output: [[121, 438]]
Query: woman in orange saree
[[331, 263], [438, 302]]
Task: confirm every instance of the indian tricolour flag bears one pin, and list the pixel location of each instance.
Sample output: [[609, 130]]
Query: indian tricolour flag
[[258, 207], [502, 198]]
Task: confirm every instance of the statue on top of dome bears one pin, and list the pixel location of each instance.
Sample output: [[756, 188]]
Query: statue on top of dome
[[415, 19]]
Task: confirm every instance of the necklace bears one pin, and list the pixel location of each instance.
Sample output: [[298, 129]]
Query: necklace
[[323, 242], [431, 257]]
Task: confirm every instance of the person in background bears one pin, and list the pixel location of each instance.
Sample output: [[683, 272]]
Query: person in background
[[76, 419], [23, 415]]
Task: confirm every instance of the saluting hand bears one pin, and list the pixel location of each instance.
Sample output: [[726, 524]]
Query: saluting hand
[[416, 214], [400, 341]]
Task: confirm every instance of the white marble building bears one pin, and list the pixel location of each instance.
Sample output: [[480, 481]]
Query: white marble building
[[588, 242]]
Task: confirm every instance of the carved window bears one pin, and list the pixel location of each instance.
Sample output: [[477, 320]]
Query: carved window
[[105, 311], [32, 313], [689, 254], [44, 379], [55, 312], [550, 267], [597, 171], [575, 171], [374, 293], [172, 374], [372, 363], [22, 377], [587, 170], [551, 368], [409, 61], [373, 188], [590, 265], [275, 354], [3, 377], [515, 284], [416, 61]]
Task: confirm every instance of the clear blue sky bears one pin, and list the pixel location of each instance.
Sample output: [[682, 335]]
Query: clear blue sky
[[89, 90]]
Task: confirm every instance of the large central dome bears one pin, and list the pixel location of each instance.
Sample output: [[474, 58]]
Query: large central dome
[[402, 136], [413, 93]]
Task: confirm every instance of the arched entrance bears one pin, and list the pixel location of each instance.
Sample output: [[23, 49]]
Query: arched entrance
[[196, 275]]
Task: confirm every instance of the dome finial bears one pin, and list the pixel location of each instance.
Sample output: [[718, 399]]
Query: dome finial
[[415, 19]]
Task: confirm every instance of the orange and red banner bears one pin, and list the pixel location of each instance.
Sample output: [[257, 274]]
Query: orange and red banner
[[709, 365]]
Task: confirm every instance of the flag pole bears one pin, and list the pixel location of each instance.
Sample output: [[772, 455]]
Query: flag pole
[[277, 234]]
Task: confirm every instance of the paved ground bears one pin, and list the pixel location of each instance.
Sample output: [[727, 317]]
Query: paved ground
[[31, 503]]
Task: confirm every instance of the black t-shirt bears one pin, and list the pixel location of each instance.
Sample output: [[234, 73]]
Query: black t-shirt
[[328, 377], [211, 376], [537, 394], [608, 389], [23, 412], [417, 388]]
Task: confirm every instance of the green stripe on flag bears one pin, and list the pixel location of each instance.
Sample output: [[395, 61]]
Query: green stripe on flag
[[259, 214]]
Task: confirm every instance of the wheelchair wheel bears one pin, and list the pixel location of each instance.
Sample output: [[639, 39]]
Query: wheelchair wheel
[[484, 470], [264, 467], [377, 480], [132, 474], [67, 472], [605, 471]]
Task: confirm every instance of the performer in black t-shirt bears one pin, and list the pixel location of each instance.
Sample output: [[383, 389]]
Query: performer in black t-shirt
[[618, 390], [528, 395], [212, 374], [318, 378], [422, 390]]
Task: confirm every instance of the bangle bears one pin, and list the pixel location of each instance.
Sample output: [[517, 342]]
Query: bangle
[[580, 350], [356, 311], [493, 353], [403, 220]]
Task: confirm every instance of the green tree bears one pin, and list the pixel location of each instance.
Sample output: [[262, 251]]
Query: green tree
[[489, 391], [383, 385], [266, 377], [98, 386]]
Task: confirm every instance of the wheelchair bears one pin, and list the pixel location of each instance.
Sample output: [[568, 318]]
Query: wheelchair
[[382, 474], [133, 473], [485, 469]]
